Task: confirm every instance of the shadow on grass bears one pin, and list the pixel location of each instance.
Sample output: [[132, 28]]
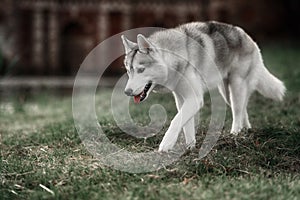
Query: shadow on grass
[[266, 150]]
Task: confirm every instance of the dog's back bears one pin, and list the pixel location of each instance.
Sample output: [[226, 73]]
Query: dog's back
[[228, 40]]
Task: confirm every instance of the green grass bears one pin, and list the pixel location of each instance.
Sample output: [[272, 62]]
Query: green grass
[[40, 147]]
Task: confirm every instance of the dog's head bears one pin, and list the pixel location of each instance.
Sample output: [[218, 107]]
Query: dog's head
[[144, 66]]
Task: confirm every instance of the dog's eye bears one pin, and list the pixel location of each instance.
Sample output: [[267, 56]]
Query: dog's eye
[[140, 70], [146, 63]]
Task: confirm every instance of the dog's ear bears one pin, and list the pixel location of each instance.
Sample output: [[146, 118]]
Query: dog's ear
[[144, 44], [128, 45]]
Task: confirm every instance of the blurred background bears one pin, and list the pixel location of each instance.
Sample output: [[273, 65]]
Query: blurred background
[[50, 38], [44, 42]]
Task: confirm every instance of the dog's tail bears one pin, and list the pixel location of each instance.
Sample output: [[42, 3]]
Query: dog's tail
[[270, 86]]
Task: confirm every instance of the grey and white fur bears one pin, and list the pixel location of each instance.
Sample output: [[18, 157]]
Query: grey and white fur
[[182, 59]]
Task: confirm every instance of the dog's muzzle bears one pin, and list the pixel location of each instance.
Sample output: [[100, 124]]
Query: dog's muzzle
[[140, 97]]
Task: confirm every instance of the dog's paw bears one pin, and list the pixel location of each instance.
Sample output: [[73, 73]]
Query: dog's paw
[[191, 145], [165, 147], [236, 131]]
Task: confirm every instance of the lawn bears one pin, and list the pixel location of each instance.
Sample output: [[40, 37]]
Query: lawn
[[42, 156]]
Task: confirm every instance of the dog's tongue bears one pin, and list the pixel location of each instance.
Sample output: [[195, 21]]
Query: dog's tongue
[[137, 99]]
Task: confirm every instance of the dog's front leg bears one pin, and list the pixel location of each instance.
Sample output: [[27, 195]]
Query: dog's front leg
[[189, 108], [189, 127]]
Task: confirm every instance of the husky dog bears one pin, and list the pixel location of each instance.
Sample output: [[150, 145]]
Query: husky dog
[[151, 63]]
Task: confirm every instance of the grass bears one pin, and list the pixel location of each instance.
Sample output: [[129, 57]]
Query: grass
[[42, 156]]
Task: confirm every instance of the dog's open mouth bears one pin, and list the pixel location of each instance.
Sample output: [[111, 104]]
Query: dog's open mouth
[[140, 97]]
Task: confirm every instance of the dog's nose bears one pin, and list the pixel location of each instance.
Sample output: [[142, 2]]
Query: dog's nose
[[128, 92]]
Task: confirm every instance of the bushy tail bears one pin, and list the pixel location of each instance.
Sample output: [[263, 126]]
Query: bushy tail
[[270, 86]]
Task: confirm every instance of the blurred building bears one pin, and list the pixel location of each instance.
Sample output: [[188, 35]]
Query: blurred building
[[52, 37]]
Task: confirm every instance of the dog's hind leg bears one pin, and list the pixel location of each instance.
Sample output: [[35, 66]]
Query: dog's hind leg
[[189, 127], [224, 91], [238, 97], [246, 123]]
